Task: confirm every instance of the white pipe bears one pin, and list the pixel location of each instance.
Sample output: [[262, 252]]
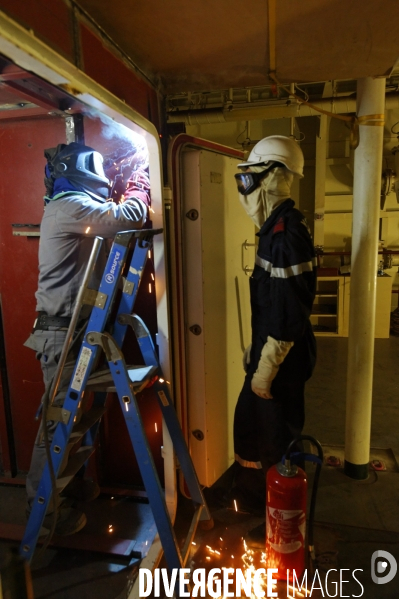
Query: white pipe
[[366, 211], [320, 180], [270, 111], [292, 123]]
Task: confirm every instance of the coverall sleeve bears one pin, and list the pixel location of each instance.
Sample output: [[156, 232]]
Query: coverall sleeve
[[84, 216], [292, 282]]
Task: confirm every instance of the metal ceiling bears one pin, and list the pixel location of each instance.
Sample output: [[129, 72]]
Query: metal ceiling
[[221, 44]]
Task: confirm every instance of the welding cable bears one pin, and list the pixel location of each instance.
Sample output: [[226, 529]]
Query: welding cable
[[319, 462]]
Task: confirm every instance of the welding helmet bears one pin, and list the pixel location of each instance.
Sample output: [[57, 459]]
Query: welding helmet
[[81, 166], [276, 148]]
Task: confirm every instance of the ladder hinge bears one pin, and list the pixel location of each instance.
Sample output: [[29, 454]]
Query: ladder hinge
[[92, 297], [128, 286]]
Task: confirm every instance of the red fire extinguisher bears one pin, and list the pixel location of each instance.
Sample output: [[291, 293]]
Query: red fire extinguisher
[[286, 494]]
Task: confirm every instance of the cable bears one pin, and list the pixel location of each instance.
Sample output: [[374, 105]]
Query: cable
[[394, 125], [355, 121], [304, 93]]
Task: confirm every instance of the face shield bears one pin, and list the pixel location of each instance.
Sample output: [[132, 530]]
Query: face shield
[[248, 181]]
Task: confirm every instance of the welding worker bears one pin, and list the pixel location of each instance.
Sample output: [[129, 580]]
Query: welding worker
[[76, 210], [270, 409]]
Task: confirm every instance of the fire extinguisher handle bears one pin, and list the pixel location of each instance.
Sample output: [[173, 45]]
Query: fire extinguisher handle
[[299, 456], [304, 438]]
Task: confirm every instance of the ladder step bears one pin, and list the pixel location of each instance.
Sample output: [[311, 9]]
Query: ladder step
[[74, 465], [87, 420], [139, 377]]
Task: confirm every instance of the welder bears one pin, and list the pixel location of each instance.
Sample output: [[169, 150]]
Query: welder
[[76, 210], [270, 410]]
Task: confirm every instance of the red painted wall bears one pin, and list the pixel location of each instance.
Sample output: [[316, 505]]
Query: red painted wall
[[100, 64], [21, 201], [50, 21]]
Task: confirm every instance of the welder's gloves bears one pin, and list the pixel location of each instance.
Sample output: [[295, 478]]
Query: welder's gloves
[[246, 357], [138, 186], [273, 354]]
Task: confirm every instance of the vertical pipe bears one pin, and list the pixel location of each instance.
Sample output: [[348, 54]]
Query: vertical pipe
[[320, 180], [292, 119], [366, 212]]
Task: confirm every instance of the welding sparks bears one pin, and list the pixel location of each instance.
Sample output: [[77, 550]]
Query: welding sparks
[[152, 276], [110, 528], [87, 230], [161, 380], [151, 210], [149, 287], [235, 506], [156, 427], [192, 543]]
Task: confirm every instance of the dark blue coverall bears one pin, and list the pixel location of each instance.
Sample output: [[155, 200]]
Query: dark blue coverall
[[282, 289]]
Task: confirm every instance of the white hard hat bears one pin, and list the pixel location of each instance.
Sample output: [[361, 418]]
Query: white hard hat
[[277, 148]]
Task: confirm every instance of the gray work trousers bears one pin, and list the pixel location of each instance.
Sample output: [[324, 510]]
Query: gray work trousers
[[48, 346]]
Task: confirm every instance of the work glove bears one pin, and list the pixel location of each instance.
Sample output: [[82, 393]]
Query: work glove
[[246, 357], [273, 354], [138, 186]]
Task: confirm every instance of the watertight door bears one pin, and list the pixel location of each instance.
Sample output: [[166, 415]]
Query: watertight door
[[215, 237]]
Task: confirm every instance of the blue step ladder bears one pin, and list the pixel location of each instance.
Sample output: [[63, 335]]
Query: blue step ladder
[[126, 381]]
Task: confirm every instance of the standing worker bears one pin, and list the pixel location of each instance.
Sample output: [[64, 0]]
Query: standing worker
[[77, 210], [270, 409]]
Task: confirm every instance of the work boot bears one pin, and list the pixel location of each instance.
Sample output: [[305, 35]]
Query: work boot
[[249, 491], [69, 521], [256, 537], [82, 489]]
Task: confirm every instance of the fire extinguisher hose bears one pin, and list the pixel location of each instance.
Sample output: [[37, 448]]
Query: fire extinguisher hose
[[309, 458]]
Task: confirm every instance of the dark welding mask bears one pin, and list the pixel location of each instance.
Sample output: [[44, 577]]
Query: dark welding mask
[[249, 181], [82, 166]]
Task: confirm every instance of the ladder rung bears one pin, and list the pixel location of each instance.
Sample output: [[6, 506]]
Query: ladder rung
[[74, 464], [88, 419], [139, 377]]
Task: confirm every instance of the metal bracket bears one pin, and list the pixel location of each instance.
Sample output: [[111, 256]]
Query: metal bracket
[[92, 297], [128, 286], [108, 344], [247, 245], [58, 414]]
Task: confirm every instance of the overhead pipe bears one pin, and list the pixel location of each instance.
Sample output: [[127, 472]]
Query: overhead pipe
[[364, 262], [264, 111]]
